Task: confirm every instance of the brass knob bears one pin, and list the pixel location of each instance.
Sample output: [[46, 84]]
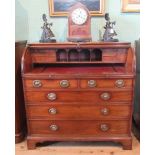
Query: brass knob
[[54, 127], [51, 96], [52, 111], [64, 83], [105, 111], [37, 83], [92, 83], [119, 83], [105, 96], [104, 127]]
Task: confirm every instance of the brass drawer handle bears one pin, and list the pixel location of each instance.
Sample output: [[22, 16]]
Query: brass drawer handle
[[54, 127], [64, 83], [120, 83], [52, 111], [51, 96], [105, 111], [37, 83], [105, 96], [104, 127], [92, 83]]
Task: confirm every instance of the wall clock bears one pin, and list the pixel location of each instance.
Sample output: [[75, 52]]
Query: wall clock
[[79, 24]]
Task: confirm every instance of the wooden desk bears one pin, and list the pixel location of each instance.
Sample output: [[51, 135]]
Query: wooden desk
[[79, 92]]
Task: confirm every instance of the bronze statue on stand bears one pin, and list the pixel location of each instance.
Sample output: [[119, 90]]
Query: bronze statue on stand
[[109, 30], [47, 34]]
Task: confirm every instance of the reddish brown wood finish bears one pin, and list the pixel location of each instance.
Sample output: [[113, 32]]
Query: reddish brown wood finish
[[79, 112], [79, 96], [49, 84], [83, 83], [76, 72], [114, 55], [47, 56], [20, 122], [26, 64], [106, 83], [126, 141], [79, 128], [79, 108]]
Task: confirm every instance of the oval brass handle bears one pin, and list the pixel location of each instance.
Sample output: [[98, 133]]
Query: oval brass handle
[[51, 96], [54, 127], [119, 83], [37, 83], [64, 83], [92, 83], [105, 96], [105, 111], [104, 127], [52, 111]]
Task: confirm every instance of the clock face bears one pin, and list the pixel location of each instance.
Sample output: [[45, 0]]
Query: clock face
[[79, 16]]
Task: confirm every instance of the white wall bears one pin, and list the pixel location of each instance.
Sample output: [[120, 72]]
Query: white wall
[[21, 21]]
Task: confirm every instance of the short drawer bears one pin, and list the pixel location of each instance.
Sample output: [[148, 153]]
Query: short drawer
[[49, 84], [106, 83], [78, 96], [43, 56], [78, 112], [79, 128], [114, 55]]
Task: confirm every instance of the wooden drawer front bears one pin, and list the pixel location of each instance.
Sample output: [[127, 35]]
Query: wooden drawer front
[[89, 96], [46, 56], [79, 128], [50, 84], [81, 112], [106, 83], [114, 55]]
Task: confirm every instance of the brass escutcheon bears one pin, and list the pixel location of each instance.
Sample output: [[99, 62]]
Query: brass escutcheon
[[54, 127], [105, 96], [37, 83], [64, 83], [92, 83], [51, 96], [119, 83], [105, 111], [52, 111], [104, 127]]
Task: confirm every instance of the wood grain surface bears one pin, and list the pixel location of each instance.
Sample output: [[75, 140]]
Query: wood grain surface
[[79, 112], [78, 106]]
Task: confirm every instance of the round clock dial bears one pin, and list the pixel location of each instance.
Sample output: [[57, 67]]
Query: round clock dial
[[79, 16]]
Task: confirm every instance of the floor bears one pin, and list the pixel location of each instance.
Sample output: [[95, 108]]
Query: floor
[[79, 148]]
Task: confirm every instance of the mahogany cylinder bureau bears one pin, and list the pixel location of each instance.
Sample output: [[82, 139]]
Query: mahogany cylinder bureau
[[79, 92]]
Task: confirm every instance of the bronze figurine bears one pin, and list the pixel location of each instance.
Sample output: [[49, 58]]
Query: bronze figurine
[[109, 30], [47, 34]]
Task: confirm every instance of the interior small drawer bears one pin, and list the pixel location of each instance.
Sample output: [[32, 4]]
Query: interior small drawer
[[79, 128], [43, 56], [49, 84], [114, 55], [106, 83]]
